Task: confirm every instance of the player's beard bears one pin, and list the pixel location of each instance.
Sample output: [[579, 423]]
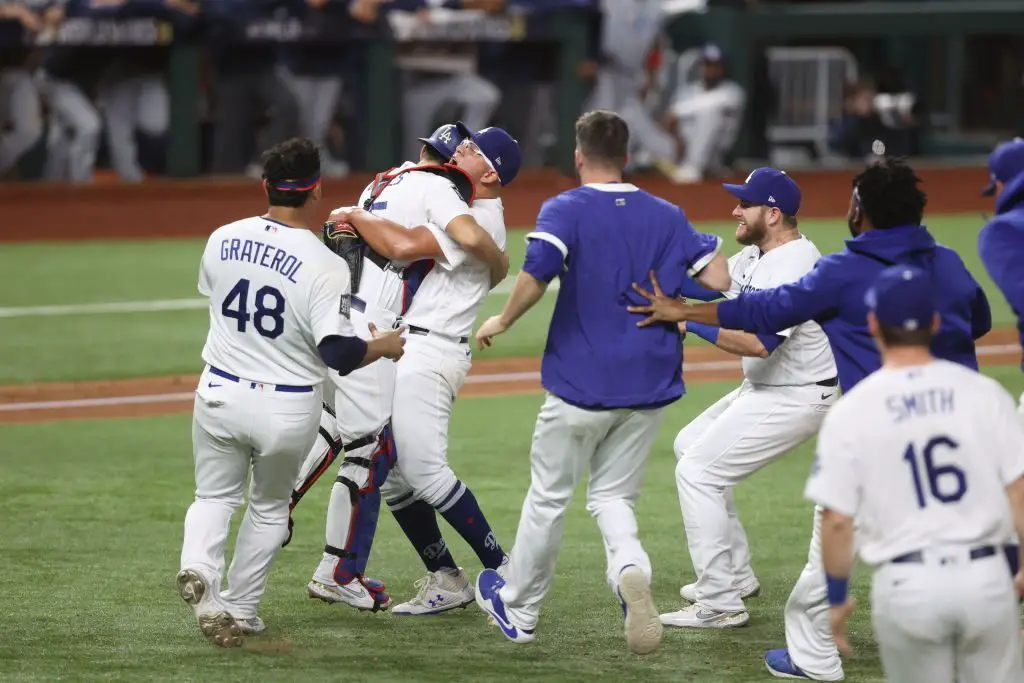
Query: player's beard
[[752, 232]]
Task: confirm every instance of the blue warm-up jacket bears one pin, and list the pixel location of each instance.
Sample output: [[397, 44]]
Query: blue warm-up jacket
[[1001, 246], [833, 296]]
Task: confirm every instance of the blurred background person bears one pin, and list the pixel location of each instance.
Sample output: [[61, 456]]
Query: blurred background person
[[21, 115]]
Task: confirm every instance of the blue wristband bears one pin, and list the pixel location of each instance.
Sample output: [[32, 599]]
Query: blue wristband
[[836, 589], [705, 332]]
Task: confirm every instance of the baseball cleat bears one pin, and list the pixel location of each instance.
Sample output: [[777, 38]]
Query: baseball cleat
[[251, 625], [697, 616], [751, 589], [488, 584], [643, 628], [214, 621], [781, 665], [438, 592], [368, 595]]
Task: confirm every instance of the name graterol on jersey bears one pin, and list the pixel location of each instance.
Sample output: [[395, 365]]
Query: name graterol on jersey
[[259, 253], [920, 403]]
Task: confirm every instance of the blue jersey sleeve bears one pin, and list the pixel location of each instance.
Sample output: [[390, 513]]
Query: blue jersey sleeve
[[812, 297], [696, 248], [557, 226], [771, 341], [544, 261], [1000, 245]]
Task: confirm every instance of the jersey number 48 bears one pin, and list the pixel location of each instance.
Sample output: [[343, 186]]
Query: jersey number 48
[[945, 483], [267, 319]]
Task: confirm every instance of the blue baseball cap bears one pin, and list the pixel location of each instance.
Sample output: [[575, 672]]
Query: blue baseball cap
[[768, 187], [1005, 163], [902, 297], [499, 148], [444, 140]]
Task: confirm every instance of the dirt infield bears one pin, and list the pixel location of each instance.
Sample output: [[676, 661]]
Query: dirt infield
[[167, 208], [169, 395]]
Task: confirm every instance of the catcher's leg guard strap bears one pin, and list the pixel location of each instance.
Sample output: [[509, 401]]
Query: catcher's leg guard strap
[[325, 451], [363, 472]]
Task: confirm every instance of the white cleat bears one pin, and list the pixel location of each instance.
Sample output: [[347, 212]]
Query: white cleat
[[439, 592], [751, 589], [643, 627], [214, 621], [251, 625], [363, 594], [696, 616]]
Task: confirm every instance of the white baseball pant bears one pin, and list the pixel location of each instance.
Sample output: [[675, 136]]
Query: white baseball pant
[[235, 427], [742, 432], [566, 440], [948, 618], [430, 375], [808, 633], [362, 403]]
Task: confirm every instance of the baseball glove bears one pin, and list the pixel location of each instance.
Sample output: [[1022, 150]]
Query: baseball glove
[[346, 242]]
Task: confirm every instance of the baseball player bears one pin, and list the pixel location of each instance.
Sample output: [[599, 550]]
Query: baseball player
[[789, 383], [440, 320], [607, 382], [411, 195], [884, 217], [927, 459], [278, 319], [1001, 242]]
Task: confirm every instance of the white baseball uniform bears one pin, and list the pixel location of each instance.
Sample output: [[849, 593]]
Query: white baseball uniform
[[920, 457], [363, 399], [435, 365], [275, 293], [779, 405]]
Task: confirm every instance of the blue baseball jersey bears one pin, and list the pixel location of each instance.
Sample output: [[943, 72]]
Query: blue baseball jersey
[[1001, 247], [600, 239], [833, 296]]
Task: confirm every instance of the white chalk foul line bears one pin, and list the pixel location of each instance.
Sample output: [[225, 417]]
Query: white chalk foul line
[[196, 304], [491, 378]]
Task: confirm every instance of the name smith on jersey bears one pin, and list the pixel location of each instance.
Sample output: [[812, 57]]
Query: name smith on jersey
[[261, 254]]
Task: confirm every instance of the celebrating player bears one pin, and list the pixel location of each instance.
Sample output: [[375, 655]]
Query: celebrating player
[[275, 294], [789, 383], [607, 381], [436, 365], [884, 217], [1001, 242], [928, 458], [411, 195]]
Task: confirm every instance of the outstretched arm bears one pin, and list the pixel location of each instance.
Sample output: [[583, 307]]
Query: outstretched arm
[[734, 341], [543, 262]]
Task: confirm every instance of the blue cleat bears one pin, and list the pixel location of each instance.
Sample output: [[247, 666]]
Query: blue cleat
[[488, 583], [781, 666]]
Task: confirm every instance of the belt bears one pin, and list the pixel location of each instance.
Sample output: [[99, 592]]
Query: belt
[[830, 382], [286, 388], [917, 557], [424, 331]]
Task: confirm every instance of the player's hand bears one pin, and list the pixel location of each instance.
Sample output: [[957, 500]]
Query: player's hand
[[661, 308], [1018, 582], [345, 214], [391, 343], [492, 327], [837, 617]]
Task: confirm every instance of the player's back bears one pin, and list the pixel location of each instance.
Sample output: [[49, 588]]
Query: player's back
[[411, 198], [266, 282], [931, 472], [595, 354]]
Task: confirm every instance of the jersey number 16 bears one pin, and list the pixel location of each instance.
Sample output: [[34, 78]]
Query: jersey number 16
[[236, 306], [945, 483]]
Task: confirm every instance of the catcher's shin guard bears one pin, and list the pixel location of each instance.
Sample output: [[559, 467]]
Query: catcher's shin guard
[[355, 505], [321, 456]]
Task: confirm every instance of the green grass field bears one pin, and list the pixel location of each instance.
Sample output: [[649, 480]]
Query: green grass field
[[70, 345], [92, 529]]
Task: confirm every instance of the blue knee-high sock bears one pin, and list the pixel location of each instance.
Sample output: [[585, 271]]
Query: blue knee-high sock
[[461, 510], [419, 522]]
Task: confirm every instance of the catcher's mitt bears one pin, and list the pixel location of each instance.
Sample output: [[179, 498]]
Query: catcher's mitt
[[346, 242]]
